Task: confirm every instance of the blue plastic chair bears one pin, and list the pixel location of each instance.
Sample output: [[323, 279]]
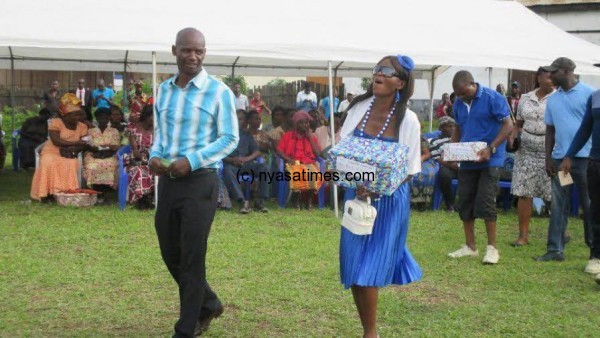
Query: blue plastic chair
[[433, 134], [574, 202], [123, 177], [284, 186], [16, 154]]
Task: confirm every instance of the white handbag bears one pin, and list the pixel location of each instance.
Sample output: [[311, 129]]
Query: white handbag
[[359, 216]]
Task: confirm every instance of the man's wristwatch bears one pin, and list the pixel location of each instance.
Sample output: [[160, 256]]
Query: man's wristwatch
[[492, 149]]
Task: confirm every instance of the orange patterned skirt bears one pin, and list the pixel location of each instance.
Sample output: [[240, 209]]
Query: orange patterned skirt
[[54, 174]]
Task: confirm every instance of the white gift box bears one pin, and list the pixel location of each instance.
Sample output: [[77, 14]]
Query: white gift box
[[464, 151]]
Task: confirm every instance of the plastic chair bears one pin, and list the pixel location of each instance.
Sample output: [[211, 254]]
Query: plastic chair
[[123, 177], [574, 201], [433, 134], [16, 154], [284, 186]]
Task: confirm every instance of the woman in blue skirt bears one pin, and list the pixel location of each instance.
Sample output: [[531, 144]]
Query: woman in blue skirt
[[368, 262]]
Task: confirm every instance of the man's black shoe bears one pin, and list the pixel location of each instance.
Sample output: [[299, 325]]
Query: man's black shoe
[[204, 323], [551, 256]]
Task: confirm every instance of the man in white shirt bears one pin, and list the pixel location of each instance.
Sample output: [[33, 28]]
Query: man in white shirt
[[85, 95], [306, 100], [344, 104], [241, 100]]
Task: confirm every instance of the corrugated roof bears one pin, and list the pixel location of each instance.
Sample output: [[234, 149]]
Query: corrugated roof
[[556, 2]]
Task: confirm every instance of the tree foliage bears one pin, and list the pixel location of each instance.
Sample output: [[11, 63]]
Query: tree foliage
[[365, 82], [238, 79], [277, 82]]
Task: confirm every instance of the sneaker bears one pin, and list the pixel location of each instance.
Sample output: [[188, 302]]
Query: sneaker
[[245, 209], [551, 256], [464, 252], [491, 255], [593, 266]]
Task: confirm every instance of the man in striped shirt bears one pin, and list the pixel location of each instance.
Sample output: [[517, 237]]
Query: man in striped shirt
[[196, 128]]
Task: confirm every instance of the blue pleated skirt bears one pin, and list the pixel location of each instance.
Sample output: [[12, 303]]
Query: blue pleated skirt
[[381, 258]]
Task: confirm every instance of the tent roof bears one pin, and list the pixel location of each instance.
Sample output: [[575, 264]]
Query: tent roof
[[271, 37]]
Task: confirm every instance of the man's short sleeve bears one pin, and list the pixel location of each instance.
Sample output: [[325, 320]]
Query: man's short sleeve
[[500, 109], [458, 112]]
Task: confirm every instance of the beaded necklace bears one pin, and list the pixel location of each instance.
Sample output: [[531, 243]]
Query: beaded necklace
[[366, 118]]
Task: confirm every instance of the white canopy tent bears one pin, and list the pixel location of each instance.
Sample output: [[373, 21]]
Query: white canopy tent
[[270, 37]]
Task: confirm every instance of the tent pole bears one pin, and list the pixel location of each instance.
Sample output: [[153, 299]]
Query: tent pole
[[125, 93], [233, 71], [154, 80], [12, 88], [332, 129], [490, 70], [431, 92]]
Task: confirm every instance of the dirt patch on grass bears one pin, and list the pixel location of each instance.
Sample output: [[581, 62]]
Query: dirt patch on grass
[[427, 293]]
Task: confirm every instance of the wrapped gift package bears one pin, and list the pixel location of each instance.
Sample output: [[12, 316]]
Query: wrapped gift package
[[379, 166], [464, 151]]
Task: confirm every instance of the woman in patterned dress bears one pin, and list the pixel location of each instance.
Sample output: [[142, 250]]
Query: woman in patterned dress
[[59, 166], [529, 173], [100, 164], [141, 181]]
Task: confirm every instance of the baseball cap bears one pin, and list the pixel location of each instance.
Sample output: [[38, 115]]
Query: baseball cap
[[560, 63], [515, 84]]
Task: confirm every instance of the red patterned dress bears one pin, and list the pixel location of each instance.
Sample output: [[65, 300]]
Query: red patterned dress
[[141, 182]]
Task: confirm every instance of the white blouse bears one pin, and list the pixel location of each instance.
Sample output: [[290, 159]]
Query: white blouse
[[409, 133]]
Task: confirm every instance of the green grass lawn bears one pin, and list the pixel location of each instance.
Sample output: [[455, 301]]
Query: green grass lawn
[[98, 272]]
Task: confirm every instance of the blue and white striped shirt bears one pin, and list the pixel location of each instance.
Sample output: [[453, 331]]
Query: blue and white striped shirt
[[198, 122]]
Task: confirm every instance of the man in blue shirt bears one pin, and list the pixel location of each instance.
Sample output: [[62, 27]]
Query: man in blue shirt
[[564, 112], [196, 128], [103, 96], [482, 115], [590, 127], [325, 105]]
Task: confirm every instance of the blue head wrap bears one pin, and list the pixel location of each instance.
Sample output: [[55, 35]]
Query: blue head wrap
[[406, 62]]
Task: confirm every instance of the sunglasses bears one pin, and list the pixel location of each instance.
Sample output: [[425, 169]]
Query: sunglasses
[[386, 71]]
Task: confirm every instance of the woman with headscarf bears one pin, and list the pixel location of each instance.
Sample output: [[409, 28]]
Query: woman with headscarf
[[369, 262], [58, 165], [137, 102], [100, 164], [300, 145]]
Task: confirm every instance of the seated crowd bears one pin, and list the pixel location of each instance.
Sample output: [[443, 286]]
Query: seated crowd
[[77, 151]]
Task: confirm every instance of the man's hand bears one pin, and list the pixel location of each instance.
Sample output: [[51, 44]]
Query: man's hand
[[566, 165], [180, 168], [484, 155], [238, 161], [157, 167], [550, 168]]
